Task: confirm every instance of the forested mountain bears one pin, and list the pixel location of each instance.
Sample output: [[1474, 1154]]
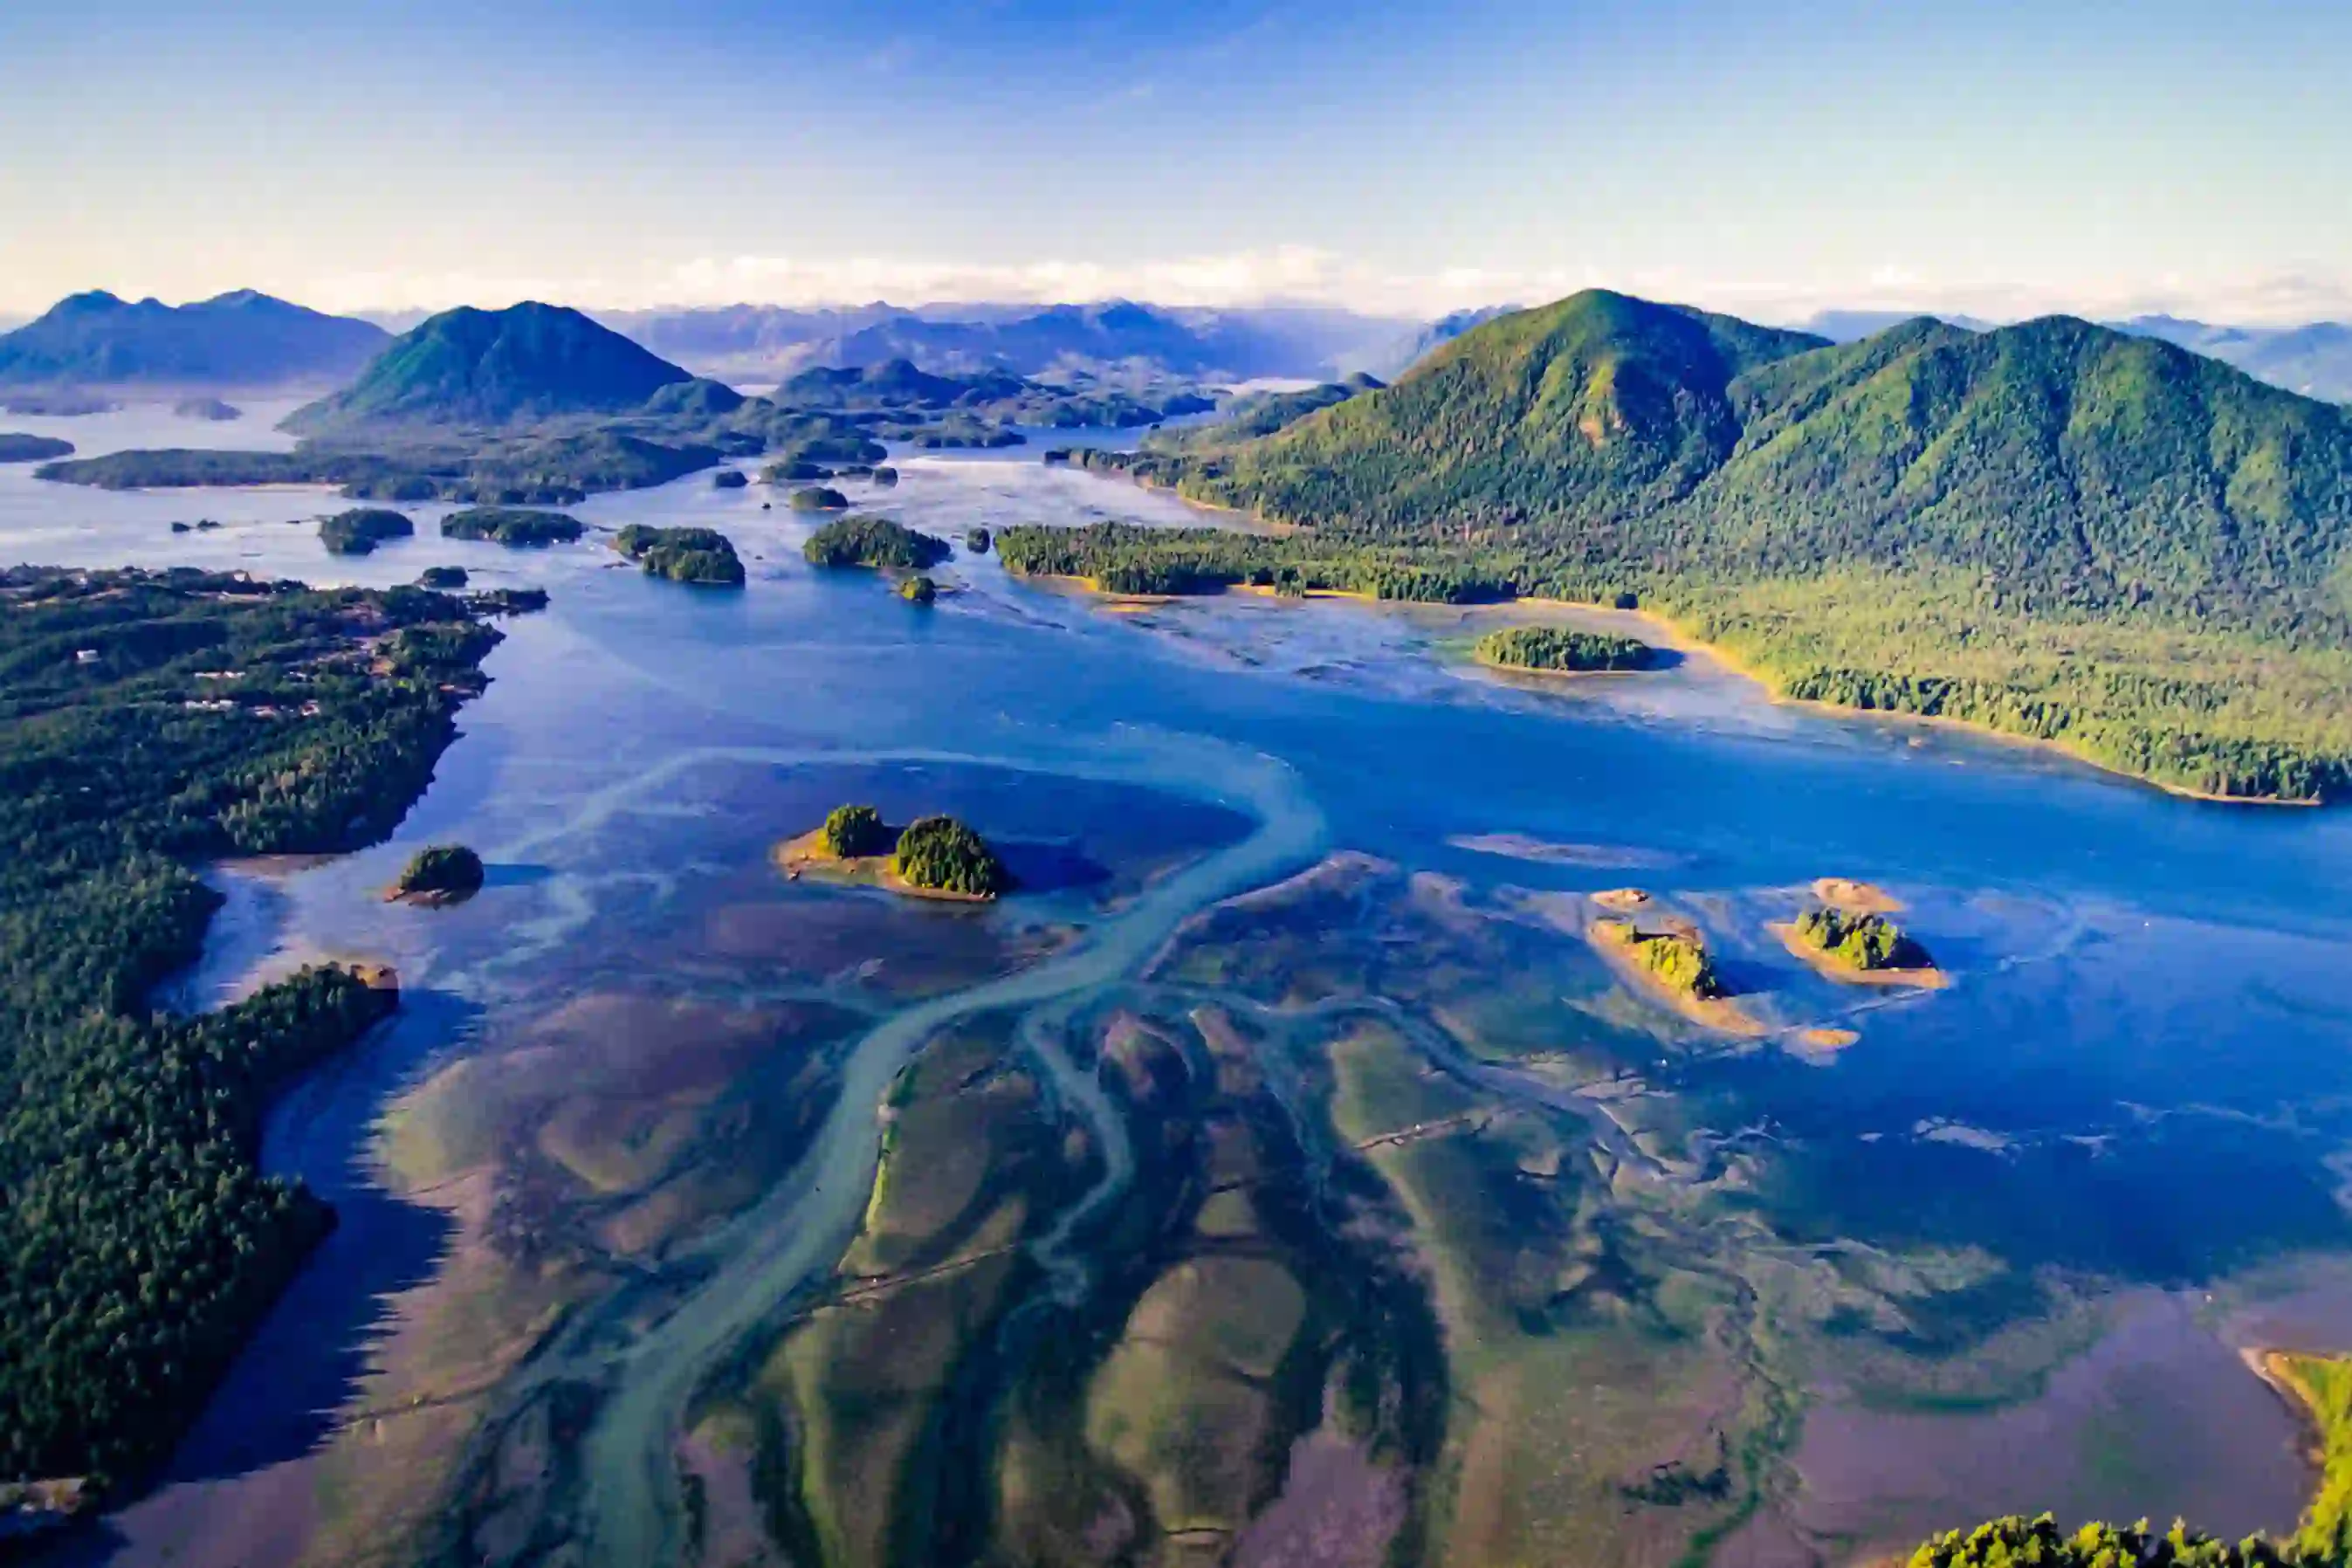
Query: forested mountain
[[2315, 361], [469, 367], [1593, 407], [2054, 527], [241, 341]]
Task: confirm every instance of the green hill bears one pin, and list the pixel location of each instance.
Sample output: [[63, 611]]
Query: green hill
[[478, 368], [2053, 529], [241, 340]]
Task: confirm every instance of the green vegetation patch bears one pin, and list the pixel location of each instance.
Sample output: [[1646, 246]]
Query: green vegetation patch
[[941, 854], [2052, 529], [853, 832], [361, 529], [1558, 649], [526, 469], [698, 555], [875, 541], [1860, 940], [442, 577], [139, 1244], [514, 526], [819, 498], [2016, 1540], [919, 589], [1676, 959], [440, 871]]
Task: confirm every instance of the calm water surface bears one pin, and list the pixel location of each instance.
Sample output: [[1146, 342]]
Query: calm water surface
[[2139, 1084]]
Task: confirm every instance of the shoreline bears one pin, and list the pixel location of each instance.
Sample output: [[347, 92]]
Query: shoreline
[[1928, 979], [1682, 640], [1676, 638], [2269, 1364], [1724, 1015]]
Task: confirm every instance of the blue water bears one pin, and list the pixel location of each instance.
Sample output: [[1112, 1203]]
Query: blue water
[[2152, 1017]]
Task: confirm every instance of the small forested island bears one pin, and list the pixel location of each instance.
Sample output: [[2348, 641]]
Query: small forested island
[[507, 601], [977, 541], [1676, 960], [144, 1242], [700, 555], [729, 480], [1671, 962], [933, 858], [1556, 649], [819, 498], [443, 577], [527, 468], [884, 477], [796, 470], [875, 541], [18, 446], [439, 874], [361, 529], [1847, 940], [211, 408], [519, 527], [919, 589]]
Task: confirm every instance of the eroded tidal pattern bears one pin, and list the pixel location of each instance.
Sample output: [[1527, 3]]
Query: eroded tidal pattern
[[1281, 1176]]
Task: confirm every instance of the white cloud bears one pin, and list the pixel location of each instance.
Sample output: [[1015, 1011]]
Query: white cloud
[[1310, 274]]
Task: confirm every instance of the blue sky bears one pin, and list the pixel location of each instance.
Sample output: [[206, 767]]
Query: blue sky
[[1996, 157]]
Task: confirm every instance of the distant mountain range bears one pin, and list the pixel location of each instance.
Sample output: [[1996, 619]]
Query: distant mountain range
[[1117, 340], [2313, 359], [491, 368], [241, 341], [251, 343]]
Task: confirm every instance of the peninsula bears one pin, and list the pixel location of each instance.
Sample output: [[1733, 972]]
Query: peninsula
[[343, 702]]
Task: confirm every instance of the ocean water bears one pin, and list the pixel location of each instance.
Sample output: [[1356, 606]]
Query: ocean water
[[2134, 1098]]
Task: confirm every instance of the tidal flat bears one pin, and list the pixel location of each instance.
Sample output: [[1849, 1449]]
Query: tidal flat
[[1281, 1165]]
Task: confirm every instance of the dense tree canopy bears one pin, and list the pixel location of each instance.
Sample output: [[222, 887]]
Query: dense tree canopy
[[441, 869], [853, 832], [2050, 528], [517, 526], [700, 555], [1862, 940], [876, 542], [148, 721], [1557, 648], [943, 854], [359, 530]]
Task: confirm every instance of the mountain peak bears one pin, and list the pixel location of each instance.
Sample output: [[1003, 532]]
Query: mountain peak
[[240, 341], [475, 367]]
